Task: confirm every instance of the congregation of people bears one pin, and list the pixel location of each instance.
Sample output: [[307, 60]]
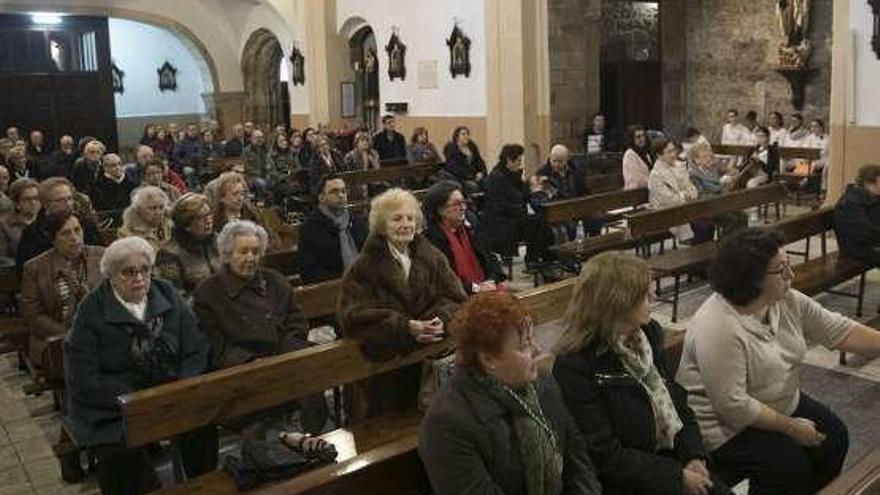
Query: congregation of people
[[154, 272]]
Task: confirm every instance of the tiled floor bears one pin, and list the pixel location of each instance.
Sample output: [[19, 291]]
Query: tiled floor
[[28, 427]]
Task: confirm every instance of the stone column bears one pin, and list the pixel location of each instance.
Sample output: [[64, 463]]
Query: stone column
[[575, 41], [225, 107], [673, 43], [326, 60]]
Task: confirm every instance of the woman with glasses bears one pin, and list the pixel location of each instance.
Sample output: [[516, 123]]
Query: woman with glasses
[[450, 231], [132, 332], [740, 366], [26, 198], [147, 217], [191, 256]]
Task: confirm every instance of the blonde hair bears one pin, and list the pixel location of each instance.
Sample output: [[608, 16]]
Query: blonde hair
[[608, 288], [384, 204], [699, 147], [227, 180]]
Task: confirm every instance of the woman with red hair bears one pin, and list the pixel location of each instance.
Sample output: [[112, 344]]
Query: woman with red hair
[[497, 427]]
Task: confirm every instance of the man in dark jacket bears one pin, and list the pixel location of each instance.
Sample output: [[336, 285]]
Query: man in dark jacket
[[61, 162], [113, 188], [389, 143], [234, 146], [56, 194], [189, 154], [566, 181], [857, 217], [331, 236]]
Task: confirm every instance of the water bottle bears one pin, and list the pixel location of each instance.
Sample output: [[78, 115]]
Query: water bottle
[[580, 235]]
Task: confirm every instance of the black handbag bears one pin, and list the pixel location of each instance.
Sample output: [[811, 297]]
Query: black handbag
[[262, 462]]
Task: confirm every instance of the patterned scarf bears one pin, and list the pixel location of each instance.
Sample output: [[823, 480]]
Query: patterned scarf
[[638, 360], [541, 459]]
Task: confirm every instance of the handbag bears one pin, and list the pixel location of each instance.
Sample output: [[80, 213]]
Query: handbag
[[262, 462], [435, 372]]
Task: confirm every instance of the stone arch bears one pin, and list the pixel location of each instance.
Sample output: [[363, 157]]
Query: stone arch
[[260, 66]]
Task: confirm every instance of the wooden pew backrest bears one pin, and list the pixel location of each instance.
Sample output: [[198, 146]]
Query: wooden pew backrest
[[389, 174], [656, 221], [576, 208], [596, 184], [784, 152], [186, 405], [805, 225], [319, 300]]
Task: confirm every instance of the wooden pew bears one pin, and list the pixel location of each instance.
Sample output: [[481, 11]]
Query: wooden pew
[[596, 184], [784, 152], [863, 478], [576, 208], [390, 174], [285, 262], [386, 448], [682, 261]]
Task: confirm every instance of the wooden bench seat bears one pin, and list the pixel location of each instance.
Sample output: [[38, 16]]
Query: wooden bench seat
[[591, 246], [390, 174], [863, 478]]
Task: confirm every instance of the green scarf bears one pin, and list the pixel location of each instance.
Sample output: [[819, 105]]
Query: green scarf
[[541, 459]]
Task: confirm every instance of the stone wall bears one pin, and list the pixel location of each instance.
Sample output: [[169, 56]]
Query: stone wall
[[732, 50], [575, 44]]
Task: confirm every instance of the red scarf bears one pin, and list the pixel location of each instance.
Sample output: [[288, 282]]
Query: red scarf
[[467, 267]]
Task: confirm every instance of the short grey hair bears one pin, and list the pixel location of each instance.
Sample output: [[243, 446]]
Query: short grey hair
[[559, 151], [111, 158], [141, 195], [239, 228], [120, 249]]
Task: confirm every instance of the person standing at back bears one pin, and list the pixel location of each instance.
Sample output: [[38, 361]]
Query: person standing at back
[[390, 144]]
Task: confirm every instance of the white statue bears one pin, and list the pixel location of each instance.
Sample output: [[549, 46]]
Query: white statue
[[794, 24]]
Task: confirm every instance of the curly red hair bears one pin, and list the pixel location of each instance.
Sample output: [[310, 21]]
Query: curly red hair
[[482, 324]]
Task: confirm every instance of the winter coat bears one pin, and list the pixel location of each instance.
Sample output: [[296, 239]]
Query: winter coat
[[319, 252], [186, 262], [857, 224]]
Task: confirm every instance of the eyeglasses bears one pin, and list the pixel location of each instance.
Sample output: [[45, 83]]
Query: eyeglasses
[[131, 272], [784, 268], [457, 204]]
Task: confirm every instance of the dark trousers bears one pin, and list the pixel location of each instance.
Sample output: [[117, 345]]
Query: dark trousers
[[775, 464], [124, 471]]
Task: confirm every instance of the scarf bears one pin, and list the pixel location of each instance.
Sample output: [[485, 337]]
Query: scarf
[[71, 286], [467, 266], [638, 360], [541, 458], [347, 247]]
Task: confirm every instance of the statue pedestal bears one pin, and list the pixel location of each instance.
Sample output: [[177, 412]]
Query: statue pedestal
[[797, 78]]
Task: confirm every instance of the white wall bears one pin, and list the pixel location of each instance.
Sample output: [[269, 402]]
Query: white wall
[[867, 66], [139, 50], [424, 26]]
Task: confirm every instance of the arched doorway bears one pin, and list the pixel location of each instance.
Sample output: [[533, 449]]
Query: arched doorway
[[260, 65], [365, 61]]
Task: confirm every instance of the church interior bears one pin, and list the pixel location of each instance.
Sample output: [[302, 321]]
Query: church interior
[[449, 247]]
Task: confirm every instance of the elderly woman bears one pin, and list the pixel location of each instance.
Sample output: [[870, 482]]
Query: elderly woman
[[497, 426], [325, 161], [191, 255], [113, 188], [154, 175], [55, 282], [146, 217], [709, 176], [740, 366], [618, 386], [249, 312], [362, 156], [232, 201], [26, 198], [398, 295], [131, 333], [449, 231], [670, 185], [421, 149]]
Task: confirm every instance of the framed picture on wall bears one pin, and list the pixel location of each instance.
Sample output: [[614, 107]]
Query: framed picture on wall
[[117, 75], [167, 77], [349, 107]]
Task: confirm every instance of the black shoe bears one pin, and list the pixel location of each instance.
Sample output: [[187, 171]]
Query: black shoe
[[71, 470]]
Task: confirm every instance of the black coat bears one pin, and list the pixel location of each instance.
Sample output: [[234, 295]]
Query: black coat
[[60, 165], [319, 168], [390, 149], [98, 363], [571, 185], [468, 444], [112, 195], [615, 415], [490, 264], [85, 173], [857, 224], [233, 147], [319, 252], [458, 165], [504, 209]]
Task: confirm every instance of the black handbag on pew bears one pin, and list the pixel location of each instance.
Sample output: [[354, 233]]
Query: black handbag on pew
[[262, 462]]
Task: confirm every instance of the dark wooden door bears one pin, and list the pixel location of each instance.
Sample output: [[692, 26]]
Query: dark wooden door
[[57, 78], [632, 93]]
